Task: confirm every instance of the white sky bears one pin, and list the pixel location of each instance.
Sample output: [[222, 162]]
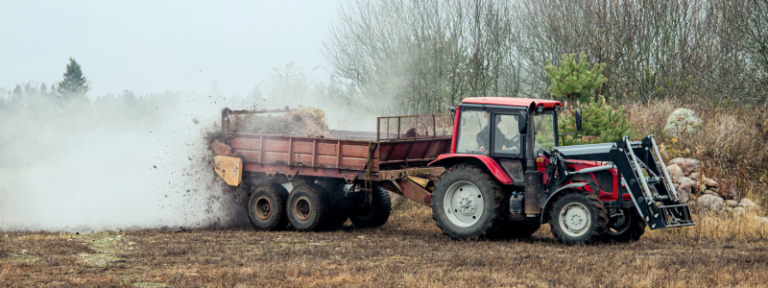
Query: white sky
[[153, 46]]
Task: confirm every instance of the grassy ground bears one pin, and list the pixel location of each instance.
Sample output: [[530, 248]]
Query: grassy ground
[[407, 252]]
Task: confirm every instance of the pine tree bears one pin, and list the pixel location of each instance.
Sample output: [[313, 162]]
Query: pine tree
[[577, 84], [74, 84], [575, 81]]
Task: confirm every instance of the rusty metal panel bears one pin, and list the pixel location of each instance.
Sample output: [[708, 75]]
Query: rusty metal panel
[[302, 159], [252, 156], [354, 162], [326, 160], [399, 150], [438, 147], [276, 145], [271, 157], [385, 150], [418, 149], [304, 147], [352, 150], [413, 191], [326, 149], [245, 143]]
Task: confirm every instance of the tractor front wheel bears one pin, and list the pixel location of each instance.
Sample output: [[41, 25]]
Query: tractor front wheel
[[578, 217], [467, 203], [626, 226]]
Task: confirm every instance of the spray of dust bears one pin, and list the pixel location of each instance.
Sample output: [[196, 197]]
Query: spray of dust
[[104, 168]]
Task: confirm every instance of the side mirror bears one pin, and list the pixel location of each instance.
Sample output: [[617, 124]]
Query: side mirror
[[452, 109], [522, 122], [577, 114]]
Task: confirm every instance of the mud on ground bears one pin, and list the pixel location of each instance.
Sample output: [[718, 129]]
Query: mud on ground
[[407, 252]]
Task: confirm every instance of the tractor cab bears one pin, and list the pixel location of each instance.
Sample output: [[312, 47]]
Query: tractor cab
[[510, 131]]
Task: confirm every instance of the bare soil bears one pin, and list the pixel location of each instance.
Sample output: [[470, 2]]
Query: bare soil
[[408, 251]]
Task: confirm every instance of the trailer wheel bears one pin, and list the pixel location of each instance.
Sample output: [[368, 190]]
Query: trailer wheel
[[578, 217], [266, 207], [625, 228], [467, 203], [308, 208], [517, 229], [377, 213]]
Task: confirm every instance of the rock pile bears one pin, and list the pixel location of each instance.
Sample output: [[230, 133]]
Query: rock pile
[[696, 189]]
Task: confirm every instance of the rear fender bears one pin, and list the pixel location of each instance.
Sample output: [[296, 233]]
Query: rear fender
[[448, 160], [548, 205]]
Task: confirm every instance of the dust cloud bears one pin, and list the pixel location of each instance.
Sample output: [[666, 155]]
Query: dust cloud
[[125, 162]]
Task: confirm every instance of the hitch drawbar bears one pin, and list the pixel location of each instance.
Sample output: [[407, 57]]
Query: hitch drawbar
[[647, 180]]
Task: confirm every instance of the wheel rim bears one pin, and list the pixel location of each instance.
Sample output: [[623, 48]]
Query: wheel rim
[[620, 225], [463, 204], [303, 208], [575, 219], [262, 208]]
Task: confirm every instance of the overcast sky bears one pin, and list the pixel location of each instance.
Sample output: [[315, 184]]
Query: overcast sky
[[153, 46]]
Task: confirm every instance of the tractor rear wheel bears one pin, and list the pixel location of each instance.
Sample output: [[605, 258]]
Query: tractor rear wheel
[[627, 227], [266, 207], [309, 208], [467, 203], [376, 213], [578, 217]]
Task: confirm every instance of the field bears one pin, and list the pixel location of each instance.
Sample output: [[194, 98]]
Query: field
[[407, 252]]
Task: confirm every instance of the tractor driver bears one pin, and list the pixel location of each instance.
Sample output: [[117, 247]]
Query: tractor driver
[[502, 143]]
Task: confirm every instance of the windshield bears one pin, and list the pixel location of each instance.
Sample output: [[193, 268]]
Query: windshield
[[544, 129]]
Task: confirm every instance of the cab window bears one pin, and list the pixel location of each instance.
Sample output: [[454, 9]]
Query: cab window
[[473, 132], [506, 138]]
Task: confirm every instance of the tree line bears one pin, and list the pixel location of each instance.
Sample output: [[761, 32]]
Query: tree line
[[420, 56]]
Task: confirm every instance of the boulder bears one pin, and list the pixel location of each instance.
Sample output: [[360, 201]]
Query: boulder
[[709, 182], [707, 192], [731, 203], [695, 176], [688, 165], [727, 189], [684, 190], [682, 121], [748, 204], [675, 172], [711, 202]]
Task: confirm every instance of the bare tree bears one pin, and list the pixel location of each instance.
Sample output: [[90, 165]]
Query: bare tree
[[421, 56]]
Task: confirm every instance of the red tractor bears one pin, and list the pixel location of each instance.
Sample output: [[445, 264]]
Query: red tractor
[[506, 175]]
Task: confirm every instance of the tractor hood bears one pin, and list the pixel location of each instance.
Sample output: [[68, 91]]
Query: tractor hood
[[584, 152]]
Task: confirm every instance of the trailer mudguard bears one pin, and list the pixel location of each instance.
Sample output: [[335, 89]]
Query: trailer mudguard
[[545, 206], [447, 160]]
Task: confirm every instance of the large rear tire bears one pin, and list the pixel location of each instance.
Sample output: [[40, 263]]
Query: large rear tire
[[628, 227], [377, 213], [266, 207], [578, 217], [309, 208], [467, 203]]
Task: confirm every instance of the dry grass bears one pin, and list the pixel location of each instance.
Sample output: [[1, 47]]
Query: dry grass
[[407, 252]]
